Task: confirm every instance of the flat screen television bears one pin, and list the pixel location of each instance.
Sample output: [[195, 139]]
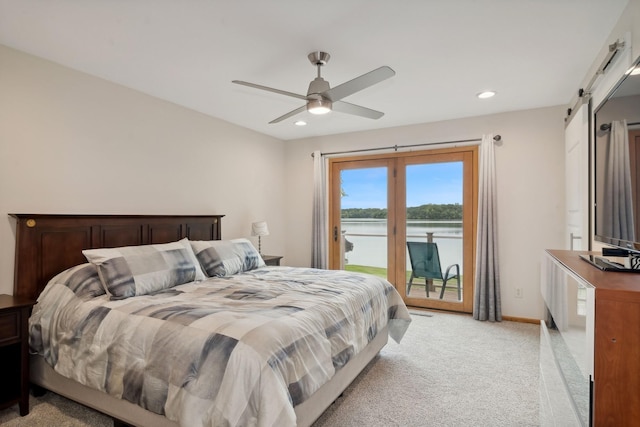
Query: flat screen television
[[616, 172]]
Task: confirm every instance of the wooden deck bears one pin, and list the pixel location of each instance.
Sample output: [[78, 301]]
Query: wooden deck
[[450, 294]]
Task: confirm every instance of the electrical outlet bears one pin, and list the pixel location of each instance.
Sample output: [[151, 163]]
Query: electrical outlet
[[518, 292]]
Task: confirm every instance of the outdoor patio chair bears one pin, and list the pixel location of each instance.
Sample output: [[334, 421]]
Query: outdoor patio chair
[[425, 263]]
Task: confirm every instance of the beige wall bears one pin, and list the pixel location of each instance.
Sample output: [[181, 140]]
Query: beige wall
[[530, 170], [72, 143]]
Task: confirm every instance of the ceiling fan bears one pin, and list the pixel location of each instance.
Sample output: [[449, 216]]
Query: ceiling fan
[[321, 98]]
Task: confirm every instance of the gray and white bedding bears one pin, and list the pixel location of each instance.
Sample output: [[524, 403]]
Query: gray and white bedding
[[237, 350]]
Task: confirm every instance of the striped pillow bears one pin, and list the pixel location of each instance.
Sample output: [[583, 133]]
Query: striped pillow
[[82, 279], [139, 270], [220, 258]]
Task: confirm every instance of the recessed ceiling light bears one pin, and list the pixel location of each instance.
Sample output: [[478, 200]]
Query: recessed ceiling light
[[635, 71], [486, 94], [300, 123]]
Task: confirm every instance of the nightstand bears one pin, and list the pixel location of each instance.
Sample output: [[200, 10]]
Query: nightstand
[[272, 259], [14, 352]]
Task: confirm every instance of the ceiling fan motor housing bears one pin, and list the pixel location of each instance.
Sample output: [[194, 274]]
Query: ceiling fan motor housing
[[317, 103], [317, 86]]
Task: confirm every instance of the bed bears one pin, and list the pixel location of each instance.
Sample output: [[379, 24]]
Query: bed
[[253, 345]]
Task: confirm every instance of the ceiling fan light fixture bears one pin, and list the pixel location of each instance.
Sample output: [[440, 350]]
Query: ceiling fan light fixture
[[319, 106]]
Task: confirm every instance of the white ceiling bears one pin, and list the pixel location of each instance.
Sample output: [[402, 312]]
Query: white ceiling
[[534, 53]]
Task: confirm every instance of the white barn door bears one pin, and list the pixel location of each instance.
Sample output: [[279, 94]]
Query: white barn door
[[577, 180]]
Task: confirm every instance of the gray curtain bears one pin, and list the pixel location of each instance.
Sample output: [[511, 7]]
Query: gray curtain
[[618, 201], [319, 254], [486, 303]]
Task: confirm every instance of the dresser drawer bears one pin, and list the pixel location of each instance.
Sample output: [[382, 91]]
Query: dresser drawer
[[9, 326]]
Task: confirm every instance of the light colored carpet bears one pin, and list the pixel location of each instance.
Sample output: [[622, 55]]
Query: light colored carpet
[[449, 370], [53, 410]]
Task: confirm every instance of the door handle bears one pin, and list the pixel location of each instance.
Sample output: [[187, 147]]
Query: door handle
[[335, 233]]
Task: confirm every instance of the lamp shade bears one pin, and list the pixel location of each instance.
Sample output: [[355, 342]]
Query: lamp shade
[[259, 228]]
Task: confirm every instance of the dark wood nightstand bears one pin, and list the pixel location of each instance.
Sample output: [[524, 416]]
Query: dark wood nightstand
[[272, 259], [14, 352]]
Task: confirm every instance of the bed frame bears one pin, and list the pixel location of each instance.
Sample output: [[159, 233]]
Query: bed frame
[[49, 244]]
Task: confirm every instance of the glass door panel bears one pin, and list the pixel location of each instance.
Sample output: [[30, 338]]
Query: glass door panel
[[438, 210], [434, 224], [363, 220]]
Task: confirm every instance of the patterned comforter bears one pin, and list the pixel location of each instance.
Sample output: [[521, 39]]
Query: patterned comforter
[[233, 351]]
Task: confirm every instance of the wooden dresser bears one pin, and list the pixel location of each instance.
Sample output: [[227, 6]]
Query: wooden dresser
[[606, 313]]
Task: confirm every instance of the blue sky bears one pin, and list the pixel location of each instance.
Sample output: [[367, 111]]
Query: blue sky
[[426, 183]]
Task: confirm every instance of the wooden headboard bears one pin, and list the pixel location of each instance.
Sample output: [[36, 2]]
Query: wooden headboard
[[49, 244]]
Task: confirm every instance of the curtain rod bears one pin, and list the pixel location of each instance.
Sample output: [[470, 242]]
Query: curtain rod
[[496, 138], [607, 126]]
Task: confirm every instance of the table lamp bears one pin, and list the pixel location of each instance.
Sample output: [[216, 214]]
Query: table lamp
[[259, 229]]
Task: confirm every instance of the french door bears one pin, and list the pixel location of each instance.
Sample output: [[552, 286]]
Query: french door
[[403, 215]]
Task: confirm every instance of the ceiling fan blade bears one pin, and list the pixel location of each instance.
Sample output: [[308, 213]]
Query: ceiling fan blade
[[359, 83], [289, 114], [345, 107], [269, 89]]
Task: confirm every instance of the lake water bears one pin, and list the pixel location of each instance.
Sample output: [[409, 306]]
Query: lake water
[[369, 238]]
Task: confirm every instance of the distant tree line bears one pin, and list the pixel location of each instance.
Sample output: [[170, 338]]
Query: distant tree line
[[428, 211]]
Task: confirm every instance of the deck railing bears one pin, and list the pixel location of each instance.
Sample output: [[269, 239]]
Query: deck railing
[[430, 236]]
